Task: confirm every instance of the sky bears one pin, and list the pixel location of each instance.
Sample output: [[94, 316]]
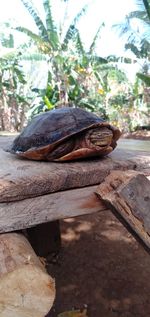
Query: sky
[[108, 11]]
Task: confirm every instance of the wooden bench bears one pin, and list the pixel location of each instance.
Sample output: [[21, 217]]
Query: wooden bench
[[38, 192], [34, 196]]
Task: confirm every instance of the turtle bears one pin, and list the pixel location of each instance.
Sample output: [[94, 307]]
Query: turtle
[[65, 134]]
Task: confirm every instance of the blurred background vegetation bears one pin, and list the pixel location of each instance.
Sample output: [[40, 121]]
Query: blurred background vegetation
[[72, 75]]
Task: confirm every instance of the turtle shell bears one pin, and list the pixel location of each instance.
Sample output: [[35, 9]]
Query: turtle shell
[[51, 128]]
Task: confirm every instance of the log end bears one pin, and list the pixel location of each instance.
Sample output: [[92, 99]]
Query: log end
[[26, 292]]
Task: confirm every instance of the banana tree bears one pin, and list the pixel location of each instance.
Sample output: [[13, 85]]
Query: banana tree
[[72, 72], [14, 81], [142, 17], [52, 42], [12, 100], [138, 40]]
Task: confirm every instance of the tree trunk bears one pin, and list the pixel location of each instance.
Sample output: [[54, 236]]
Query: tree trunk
[[5, 114]]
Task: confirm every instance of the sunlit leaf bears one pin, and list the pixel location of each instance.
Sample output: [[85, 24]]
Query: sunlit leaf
[[48, 103]]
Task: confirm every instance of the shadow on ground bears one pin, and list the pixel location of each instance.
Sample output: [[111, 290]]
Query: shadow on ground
[[102, 267]]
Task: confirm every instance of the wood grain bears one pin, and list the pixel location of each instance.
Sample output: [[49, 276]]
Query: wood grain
[[29, 212], [128, 193], [26, 290], [21, 179]]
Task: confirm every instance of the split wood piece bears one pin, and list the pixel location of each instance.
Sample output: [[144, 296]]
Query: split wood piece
[[30, 212], [128, 193], [26, 290]]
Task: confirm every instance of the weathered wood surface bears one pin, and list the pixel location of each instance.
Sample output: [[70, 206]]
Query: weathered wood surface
[[29, 212], [128, 193], [26, 290], [21, 179]]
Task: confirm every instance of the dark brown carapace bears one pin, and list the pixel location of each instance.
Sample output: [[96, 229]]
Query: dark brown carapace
[[65, 134]]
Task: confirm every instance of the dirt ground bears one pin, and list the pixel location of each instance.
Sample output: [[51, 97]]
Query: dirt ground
[[102, 267]]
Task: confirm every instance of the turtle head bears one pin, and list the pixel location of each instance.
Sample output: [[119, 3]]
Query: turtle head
[[100, 136]]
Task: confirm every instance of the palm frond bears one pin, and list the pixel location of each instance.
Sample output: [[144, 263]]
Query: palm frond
[[143, 5], [144, 78], [44, 46], [134, 49], [7, 41], [65, 17], [8, 54], [72, 30], [33, 57], [51, 28], [123, 28], [139, 52], [96, 36], [146, 34], [20, 75], [147, 7], [34, 13], [141, 15], [80, 14], [79, 44], [99, 77], [73, 34], [98, 60]]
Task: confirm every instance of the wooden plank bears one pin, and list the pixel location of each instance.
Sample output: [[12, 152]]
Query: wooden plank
[[29, 212], [26, 290], [128, 194], [21, 179]]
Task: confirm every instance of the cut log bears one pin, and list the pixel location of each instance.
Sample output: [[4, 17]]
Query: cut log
[[128, 193], [26, 290]]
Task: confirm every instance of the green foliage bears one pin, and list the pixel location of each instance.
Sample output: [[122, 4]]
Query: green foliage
[[140, 52], [144, 78], [32, 10], [117, 75], [73, 74], [96, 36], [75, 77], [6, 37], [12, 79], [138, 42]]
